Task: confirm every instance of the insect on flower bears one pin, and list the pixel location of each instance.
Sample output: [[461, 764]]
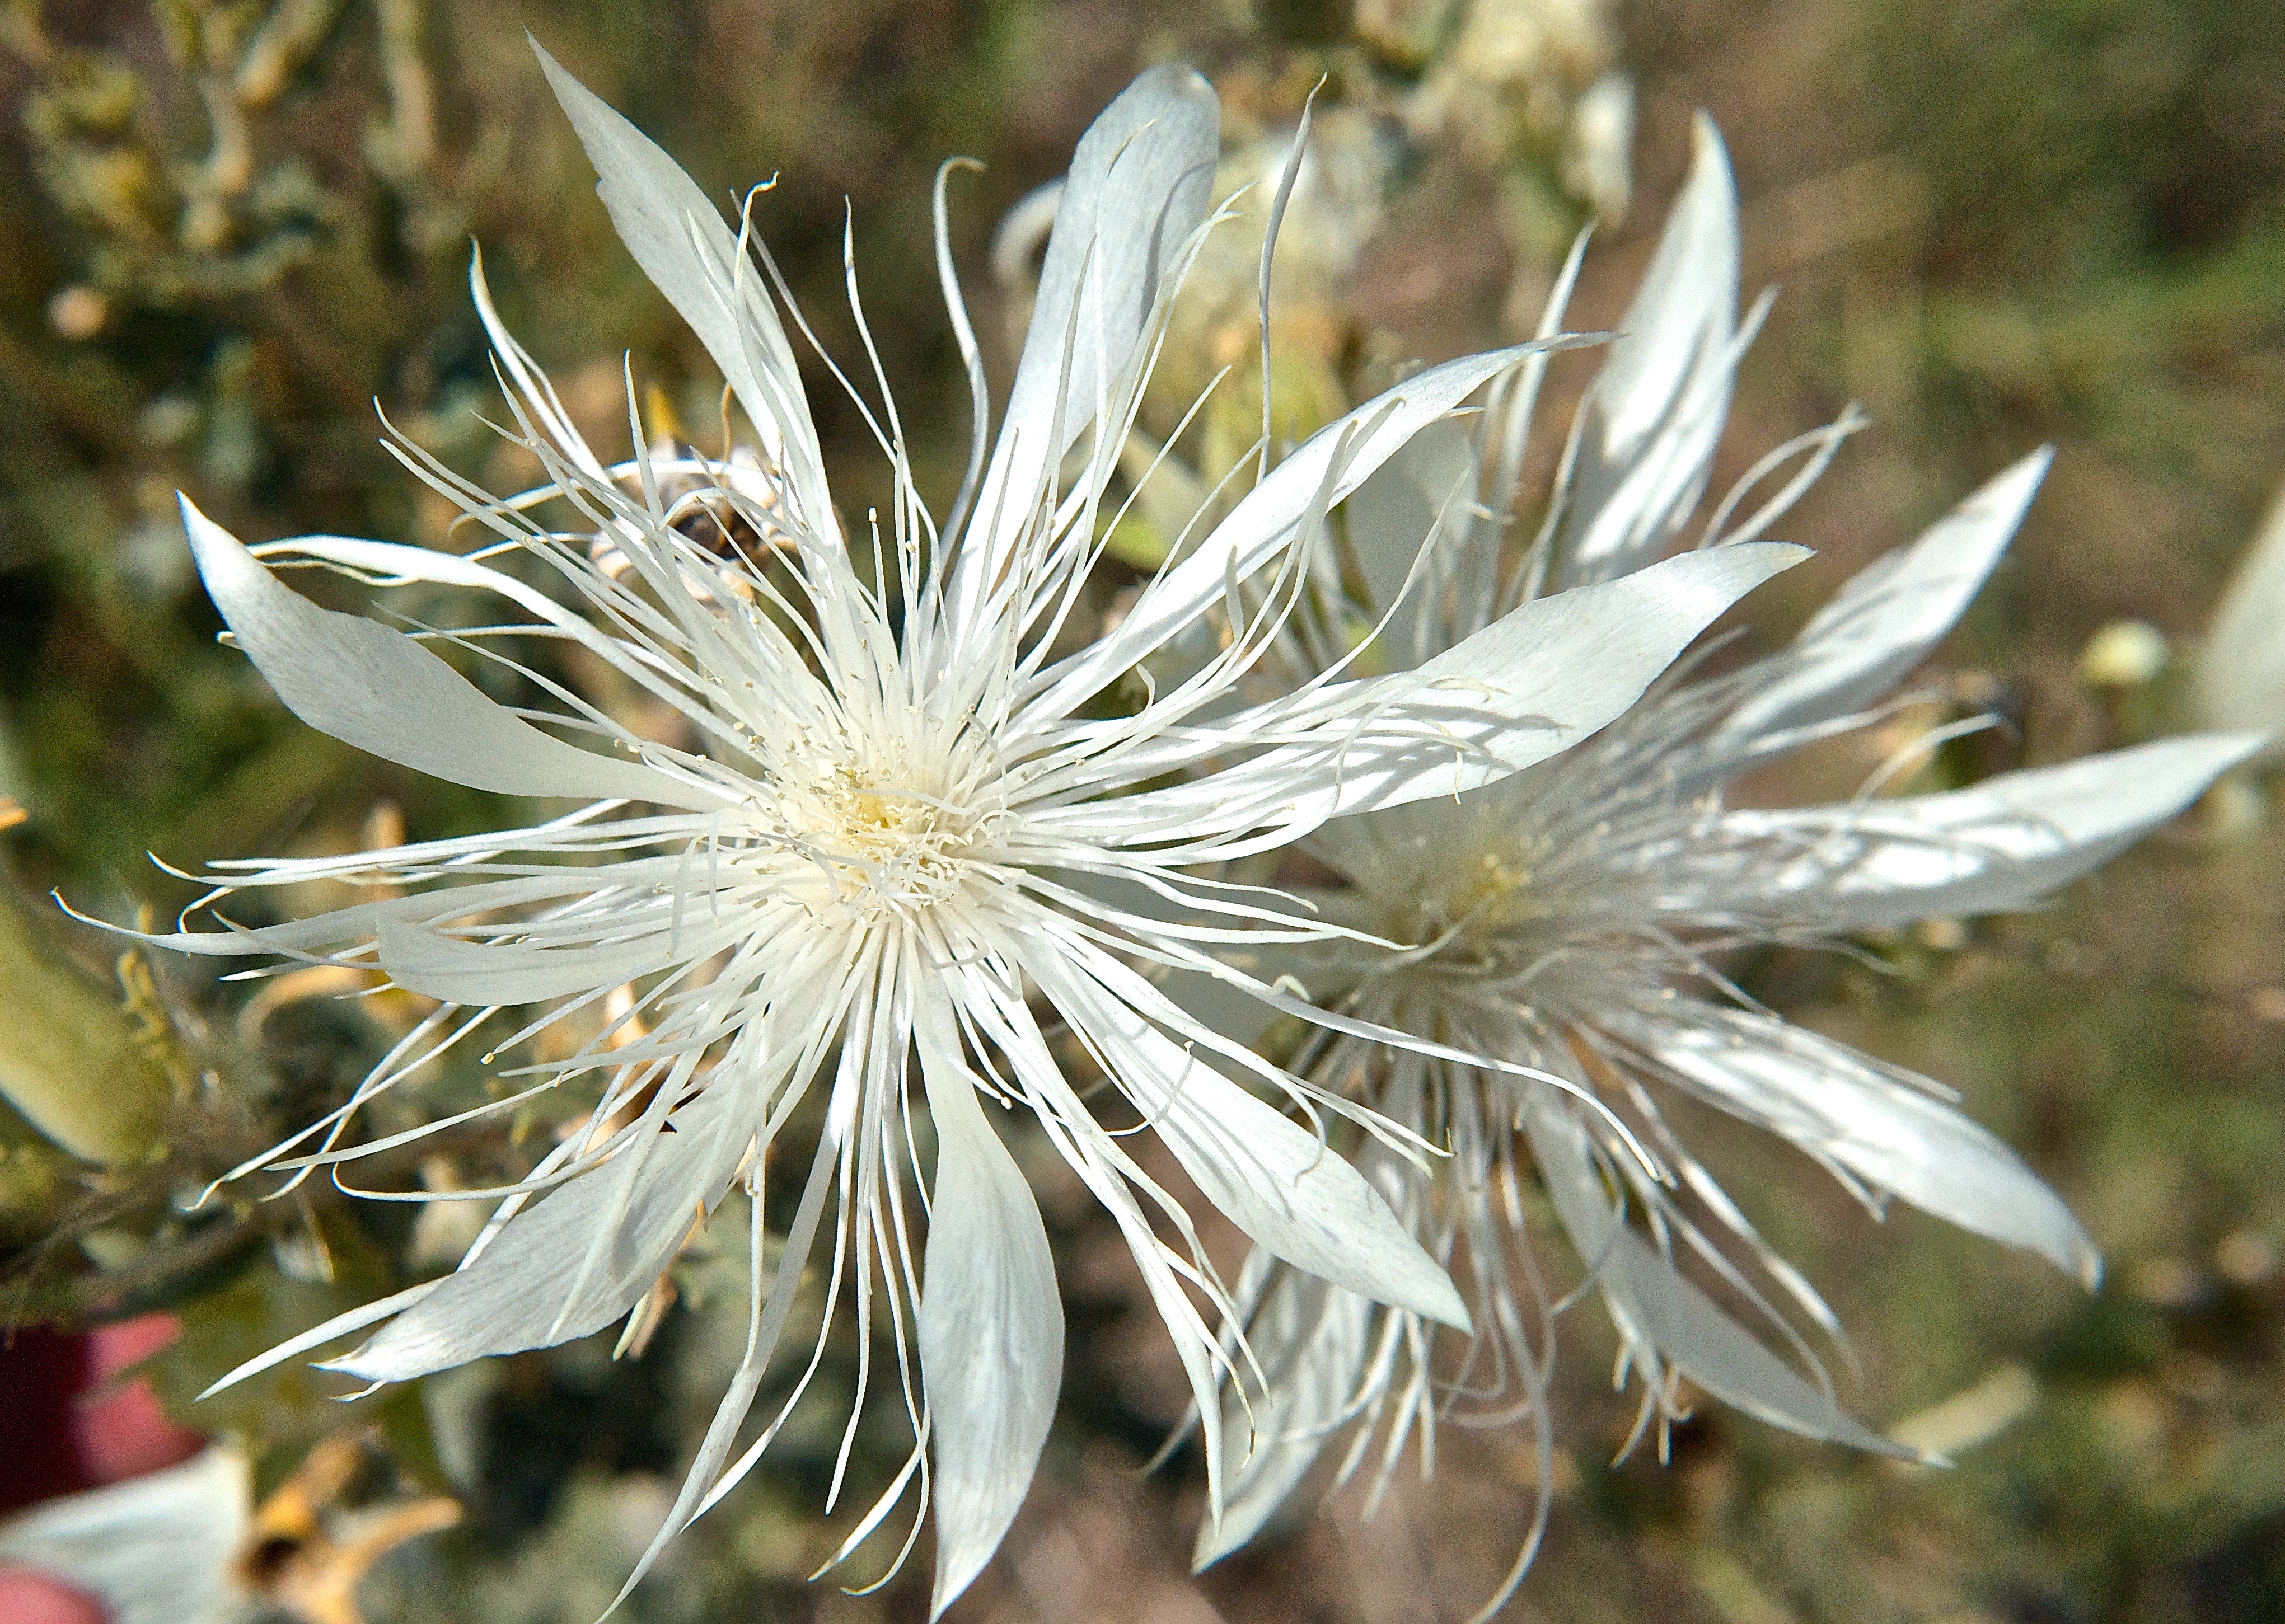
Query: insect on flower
[[896, 832]]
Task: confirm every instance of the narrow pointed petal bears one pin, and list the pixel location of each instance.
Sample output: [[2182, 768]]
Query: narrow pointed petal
[[1552, 670], [1690, 292], [1532, 684], [1271, 1176], [1324, 469], [1651, 1301], [1654, 417], [397, 561], [461, 972], [1828, 1100], [362, 922], [318, 1335], [1279, 1183], [1310, 1339], [2001, 845], [1140, 183], [2240, 670], [1888, 617], [991, 1331], [1391, 513], [691, 256], [515, 1294], [381, 691], [1720, 1355]]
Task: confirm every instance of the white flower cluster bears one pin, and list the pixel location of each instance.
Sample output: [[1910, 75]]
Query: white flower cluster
[[914, 826]]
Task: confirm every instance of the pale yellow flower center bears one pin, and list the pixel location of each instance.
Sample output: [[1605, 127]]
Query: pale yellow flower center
[[883, 838]]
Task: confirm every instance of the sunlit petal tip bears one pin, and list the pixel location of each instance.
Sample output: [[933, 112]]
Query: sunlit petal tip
[[389, 695]]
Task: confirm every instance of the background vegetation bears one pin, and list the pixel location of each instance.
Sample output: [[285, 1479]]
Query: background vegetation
[[229, 230]]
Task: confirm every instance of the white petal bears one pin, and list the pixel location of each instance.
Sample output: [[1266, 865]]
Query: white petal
[[161, 1549], [1885, 621], [1111, 1175], [475, 974], [1690, 290], [1564, 666], [1279, 1183], [1311, 1341], [1271, 1176], [2240, 670], [515, 1294], [1653, 1303], [1829, 1101], [395, 562], [1653, 417], [2003, 845], [1391, 513], [690, 255], [1140, 183], [991, 1331], [1531, 684], [1720, 1355], [344, 928], [1328, 466], [385, 693]]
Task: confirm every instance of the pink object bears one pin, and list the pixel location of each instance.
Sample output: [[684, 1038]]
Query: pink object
[[71, 1423], [119, 1430], [26, 1597]]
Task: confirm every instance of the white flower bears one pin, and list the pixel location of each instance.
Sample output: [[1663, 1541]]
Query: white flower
[[1569, 919], [895, 831]]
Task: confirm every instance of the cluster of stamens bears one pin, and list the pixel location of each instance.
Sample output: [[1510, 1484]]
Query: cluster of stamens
[[872, 840]]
